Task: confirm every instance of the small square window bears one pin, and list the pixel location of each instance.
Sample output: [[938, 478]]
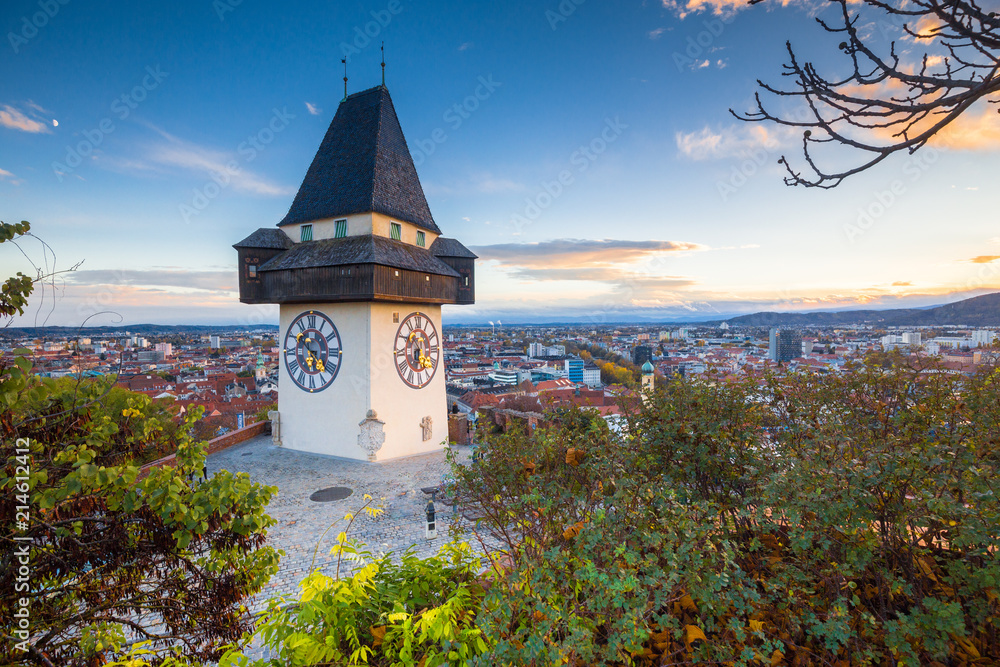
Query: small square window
[[340, 230], [396, 231], [395, 318], [427, 278], [466, 281], [421, 239], [252, 270], [397, 274], [306, 233]]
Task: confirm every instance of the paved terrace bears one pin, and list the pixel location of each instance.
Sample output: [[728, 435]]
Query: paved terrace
[[301, 522]]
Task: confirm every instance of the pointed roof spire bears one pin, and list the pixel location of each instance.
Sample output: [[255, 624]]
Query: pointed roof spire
[[362, 166], [383, 64], [344, 60]]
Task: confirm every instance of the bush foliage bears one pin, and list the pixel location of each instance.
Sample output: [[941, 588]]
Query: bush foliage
[[843, 519]]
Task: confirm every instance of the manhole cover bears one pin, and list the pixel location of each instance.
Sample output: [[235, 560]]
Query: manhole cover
[[330, 494]]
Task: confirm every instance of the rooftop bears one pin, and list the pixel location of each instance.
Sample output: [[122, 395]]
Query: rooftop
[[363, 165]]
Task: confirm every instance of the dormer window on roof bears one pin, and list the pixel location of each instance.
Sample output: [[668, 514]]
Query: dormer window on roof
[[396, 231], [341, 229], [306, 233]]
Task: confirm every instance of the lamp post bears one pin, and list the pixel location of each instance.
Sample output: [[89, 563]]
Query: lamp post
[[431, 530]]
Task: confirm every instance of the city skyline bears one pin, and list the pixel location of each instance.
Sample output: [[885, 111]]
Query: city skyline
[[605, 181]]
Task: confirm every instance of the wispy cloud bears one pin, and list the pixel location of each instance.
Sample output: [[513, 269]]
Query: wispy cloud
[[212, 281], [484, 183], [657, 33], [709, 144], [465, 46], [176, 152], [15, 119], [983, 259], [313, 109], [10, 178]]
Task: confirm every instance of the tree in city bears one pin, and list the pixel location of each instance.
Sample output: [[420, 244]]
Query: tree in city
[[102, 559], [888, 101]]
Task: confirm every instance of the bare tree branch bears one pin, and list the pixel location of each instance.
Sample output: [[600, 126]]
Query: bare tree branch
[[887, 105]]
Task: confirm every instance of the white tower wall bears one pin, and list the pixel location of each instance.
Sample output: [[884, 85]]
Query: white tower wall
[[327, 422]]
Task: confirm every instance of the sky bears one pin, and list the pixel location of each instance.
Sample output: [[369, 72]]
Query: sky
[[584, 149]]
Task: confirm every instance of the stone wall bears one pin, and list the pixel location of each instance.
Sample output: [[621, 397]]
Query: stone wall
[[215, 444]]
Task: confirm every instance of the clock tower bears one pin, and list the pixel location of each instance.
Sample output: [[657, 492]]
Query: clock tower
[[360, 270]]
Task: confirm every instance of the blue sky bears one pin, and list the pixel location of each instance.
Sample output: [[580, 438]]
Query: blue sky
[[115, 117]]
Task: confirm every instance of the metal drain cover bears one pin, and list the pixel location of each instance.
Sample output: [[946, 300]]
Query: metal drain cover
[[331, 494]]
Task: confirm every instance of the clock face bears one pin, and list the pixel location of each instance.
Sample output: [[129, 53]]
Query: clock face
[[312, 351], [417, 350]]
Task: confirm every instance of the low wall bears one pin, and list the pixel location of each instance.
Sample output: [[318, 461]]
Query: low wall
[[214, 445]]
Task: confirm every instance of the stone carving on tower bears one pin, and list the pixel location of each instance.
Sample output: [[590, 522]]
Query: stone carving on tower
[[372, 436]]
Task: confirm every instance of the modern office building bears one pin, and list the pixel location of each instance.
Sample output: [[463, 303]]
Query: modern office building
[[784, 345]]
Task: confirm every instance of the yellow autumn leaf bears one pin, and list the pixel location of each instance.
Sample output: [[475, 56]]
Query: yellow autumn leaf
[[693, 633], [756, 626], [687, 603], [776, 658]]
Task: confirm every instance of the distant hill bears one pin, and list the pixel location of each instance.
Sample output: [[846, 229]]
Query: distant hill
[[143, 329], [980, 311]]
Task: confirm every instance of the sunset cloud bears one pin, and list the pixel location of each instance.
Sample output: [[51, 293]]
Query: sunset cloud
[[579, 253], [974, 130], [983, 259], [15, 119]]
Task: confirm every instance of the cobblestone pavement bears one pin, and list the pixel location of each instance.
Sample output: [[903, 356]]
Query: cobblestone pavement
[[301, 522]]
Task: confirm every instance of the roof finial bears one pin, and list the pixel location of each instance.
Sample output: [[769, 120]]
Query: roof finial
[[383, 64], [344, 60]]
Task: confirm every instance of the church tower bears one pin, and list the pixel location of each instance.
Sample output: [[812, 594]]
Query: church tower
[[648, 379], [360, 270]]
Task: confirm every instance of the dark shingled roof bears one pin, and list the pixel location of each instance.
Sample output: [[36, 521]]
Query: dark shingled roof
[[443, 247], [362, 165], [266, 237], [367, 249]]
